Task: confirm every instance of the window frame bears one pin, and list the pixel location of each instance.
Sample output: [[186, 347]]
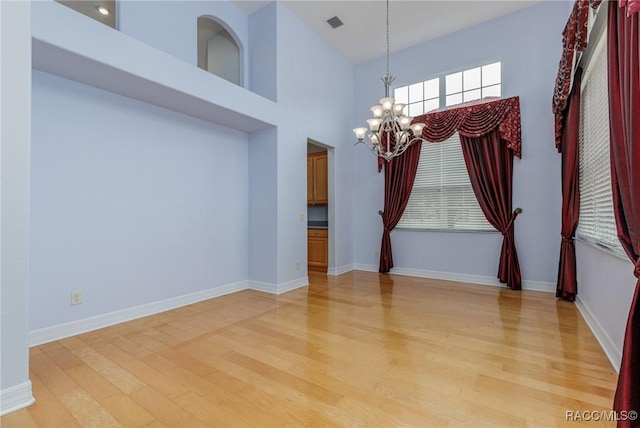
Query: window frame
[[587, 61]]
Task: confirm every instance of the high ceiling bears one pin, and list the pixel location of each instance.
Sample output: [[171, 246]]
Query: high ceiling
[[362, 37]]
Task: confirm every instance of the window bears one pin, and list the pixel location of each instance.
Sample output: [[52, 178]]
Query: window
[[420, 98], [473, 84], [442, 197], [597, 224]]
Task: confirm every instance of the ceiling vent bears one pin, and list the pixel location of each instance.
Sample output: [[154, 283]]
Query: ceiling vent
[[335, 22]]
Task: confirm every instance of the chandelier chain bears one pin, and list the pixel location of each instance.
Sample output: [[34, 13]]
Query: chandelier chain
[[387, 36]]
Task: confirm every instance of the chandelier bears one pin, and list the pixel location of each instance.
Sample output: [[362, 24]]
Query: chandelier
[[391, 131]]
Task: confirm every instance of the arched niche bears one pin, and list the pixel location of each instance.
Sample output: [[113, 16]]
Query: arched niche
[[219, 51]]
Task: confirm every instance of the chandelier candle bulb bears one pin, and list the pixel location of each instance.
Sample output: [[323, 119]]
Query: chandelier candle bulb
[[387, 103], [405, 122], [377, 111], [360, 132], [398, 109], [417, 129], [374, 124]]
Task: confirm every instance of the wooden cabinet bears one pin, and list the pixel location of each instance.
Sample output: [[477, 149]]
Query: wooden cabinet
[[317, 187], [318, 249]]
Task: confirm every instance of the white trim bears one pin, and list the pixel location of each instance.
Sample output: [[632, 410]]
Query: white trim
[[16, 397], [265, 287], [340, 270], [365, 267], [292, 285], [547, 287], [610, 349], [271, 288], [60, 331]]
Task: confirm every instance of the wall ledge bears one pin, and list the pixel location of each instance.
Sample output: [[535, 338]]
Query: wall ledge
[[71, 45]]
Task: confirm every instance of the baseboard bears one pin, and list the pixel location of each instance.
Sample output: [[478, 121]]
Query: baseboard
[[60, 331], [271, 288], [265, 287], [610, 349], [548, 287], [16, 397], [340, 270], [365, 267], [292, 285]]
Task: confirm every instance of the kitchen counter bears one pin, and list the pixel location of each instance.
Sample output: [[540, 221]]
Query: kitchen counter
[[318, 225]]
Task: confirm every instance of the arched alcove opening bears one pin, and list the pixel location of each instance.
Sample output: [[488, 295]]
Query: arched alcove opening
[[218, 51]]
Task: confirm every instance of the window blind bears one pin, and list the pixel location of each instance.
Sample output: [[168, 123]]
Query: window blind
[[442, 197], [597, 222]]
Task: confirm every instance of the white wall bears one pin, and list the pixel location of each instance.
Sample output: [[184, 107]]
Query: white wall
[[263, 44], [15, 101], [528, 43], [605, 289], [263, 206], [131, 203], [315, 99]]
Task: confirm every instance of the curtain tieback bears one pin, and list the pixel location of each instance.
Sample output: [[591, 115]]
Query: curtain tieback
[[567, 239], [511, 220], [384, 226], [636, 271]]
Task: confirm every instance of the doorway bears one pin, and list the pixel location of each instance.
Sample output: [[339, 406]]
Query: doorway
[[319, 206]]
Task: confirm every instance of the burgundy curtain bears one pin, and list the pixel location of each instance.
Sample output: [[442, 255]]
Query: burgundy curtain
[[399, 174], [567, 285], [490, 166], [499, 117], [624, 129], [490, 134]]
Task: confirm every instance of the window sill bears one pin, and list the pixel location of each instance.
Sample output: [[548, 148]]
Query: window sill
[[415, 229], [601, 248]]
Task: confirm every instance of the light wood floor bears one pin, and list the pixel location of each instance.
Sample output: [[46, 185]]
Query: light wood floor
[[357, 350]]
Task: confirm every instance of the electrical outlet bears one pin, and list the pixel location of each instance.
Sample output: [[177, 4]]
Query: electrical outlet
[[301, 217], [76, 297], [297, 265], [376, 255]]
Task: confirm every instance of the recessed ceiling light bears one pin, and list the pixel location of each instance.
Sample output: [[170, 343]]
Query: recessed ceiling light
[[103, 10]]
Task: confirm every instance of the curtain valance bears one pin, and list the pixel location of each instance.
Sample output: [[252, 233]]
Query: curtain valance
[[475, 120], [574, 38]]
